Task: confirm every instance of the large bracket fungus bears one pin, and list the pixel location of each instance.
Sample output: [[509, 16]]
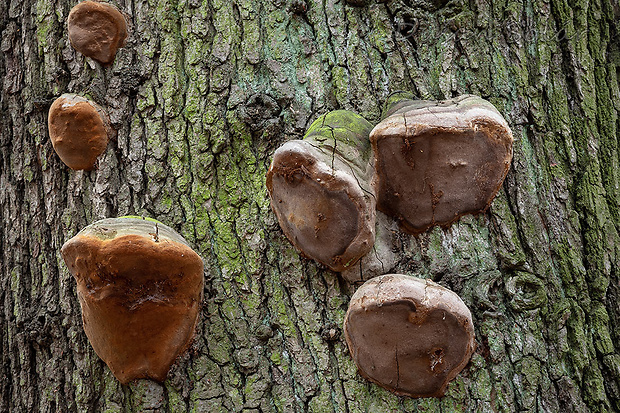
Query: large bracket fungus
[[97, 30], [140, 287], [409, 335], [437, 161], [320, 192], [79, 130]]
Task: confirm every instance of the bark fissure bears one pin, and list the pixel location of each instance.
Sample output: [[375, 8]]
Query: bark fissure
[[201, 96]]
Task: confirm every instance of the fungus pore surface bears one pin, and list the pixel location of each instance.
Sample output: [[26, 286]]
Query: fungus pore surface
[[78, 129], [97, 30], [409, 335], [319, 192], [140, 287], [437, 161]]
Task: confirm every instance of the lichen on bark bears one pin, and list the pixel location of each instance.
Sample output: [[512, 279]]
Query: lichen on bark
[[201, 96]]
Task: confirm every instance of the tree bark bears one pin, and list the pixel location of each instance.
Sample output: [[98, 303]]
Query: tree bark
[[202, 95]]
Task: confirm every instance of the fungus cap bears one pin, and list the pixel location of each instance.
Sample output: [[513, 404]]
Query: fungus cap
[[409, 335], [97, 30], [140, 287], [79, 131], [437, 161], [316, 191]]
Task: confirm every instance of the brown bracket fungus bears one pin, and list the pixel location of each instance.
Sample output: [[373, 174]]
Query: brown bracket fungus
[[408, 335], [437, 161], [140, 287], [79, 130], [320, 192], [97, 30]]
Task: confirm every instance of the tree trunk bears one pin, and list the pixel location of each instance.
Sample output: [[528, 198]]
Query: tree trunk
[[202, 95]]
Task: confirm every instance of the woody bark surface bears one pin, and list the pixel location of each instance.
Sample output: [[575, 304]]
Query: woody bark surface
[[202, 95]]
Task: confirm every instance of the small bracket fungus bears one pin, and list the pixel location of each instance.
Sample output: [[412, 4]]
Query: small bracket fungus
[[79, 130], [409, 335], [97, 30], [437, 161], [140, 287], [320, 192]]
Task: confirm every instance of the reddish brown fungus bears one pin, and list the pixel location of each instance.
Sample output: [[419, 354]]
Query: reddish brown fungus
[[437, 161], [409, 335], [78, 129], [97, 30], [140, 287], [319, 190]]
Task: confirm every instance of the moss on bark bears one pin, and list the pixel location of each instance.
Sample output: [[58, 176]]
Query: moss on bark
[[202, 95]]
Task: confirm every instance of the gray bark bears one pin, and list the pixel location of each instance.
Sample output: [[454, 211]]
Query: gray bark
[[202, 95]]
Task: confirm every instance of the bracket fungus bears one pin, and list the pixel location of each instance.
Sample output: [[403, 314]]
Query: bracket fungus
[[408, 335], [140, 287], [320, 192], [437, 161], [79, 130], [97, 30]]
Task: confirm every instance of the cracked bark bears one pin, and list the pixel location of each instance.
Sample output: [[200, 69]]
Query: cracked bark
[[202, 95]]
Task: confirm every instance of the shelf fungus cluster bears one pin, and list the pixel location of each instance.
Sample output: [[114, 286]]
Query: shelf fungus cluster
[[97, 30], [140, 287], [79, 130], [320, 192], [408, 335], [428, 163], [425, 164], [437, 161]]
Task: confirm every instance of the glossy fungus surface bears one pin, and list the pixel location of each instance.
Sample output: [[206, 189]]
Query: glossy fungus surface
[[316, 193], [78, 130], [140, 287], [97, 30], [437, 161], [409, 335]]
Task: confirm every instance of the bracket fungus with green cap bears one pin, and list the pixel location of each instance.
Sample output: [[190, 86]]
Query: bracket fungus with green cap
[[79, 130], [437, 161], [408, 335], [320, 191], [97, 30], [140, 287]]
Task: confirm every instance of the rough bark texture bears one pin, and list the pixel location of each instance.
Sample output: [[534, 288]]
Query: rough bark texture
[[202, 95]]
